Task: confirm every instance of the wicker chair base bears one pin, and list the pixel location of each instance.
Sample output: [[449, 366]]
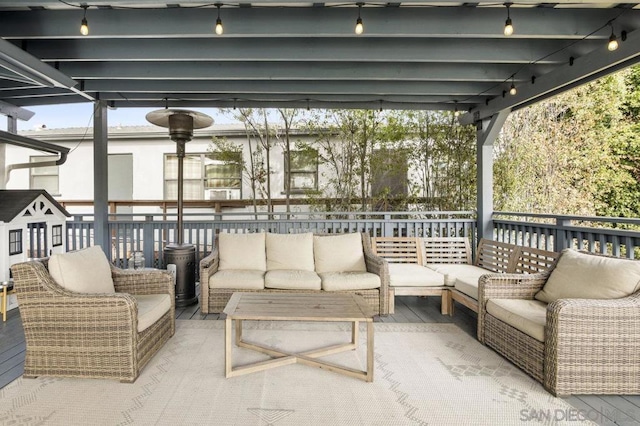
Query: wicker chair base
[[219, 297], [519, 348], [79, 360]]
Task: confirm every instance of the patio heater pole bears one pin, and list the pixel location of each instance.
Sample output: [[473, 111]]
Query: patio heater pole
[[180, 257]]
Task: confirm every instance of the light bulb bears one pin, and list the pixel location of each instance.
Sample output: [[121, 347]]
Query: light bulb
[[513, 89], [84, 27], [359, 26], [508, 27], [219, 29], [456, 113], [613, 42]]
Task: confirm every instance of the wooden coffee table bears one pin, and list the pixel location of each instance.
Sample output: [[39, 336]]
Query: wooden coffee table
[[298, 307]]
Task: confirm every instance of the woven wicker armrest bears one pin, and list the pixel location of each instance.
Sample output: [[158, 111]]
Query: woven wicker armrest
[[510, 286], [208, 267], [379, 266], [596, 337], [142, 282], [506, 286]]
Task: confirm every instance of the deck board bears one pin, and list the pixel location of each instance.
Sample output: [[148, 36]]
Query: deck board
[[616, 410]]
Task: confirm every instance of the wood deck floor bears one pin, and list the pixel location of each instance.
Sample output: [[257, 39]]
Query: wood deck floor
[[610, 410]]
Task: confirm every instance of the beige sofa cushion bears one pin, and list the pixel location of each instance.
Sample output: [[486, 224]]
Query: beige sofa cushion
[[339, 253], [151, 307], [292, 280], [528, 316], [82, 271], [453, 271], [242, 251], [340, 281], [585, 276], [290, 251], [241, 279], [467, 285], [413, 275]]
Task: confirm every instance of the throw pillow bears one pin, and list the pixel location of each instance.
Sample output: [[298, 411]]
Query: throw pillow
[[242, 251], [82, 271], [339, 253], [586, 276], [290, 251]]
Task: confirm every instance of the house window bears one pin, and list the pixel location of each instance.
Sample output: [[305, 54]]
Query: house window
[[56, 235], [206, 176], [304, 171], [15, 241], [45, 177]]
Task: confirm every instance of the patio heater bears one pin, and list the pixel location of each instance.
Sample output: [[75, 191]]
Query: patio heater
[[181, 124]]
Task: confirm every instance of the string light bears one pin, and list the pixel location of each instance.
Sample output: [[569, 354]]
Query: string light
[[513, 90], [84, 25], [456, 113], [613, 40], [508, 25], [219, 28], [359, 25]]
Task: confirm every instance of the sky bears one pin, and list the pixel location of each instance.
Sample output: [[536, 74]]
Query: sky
[[81, 115]]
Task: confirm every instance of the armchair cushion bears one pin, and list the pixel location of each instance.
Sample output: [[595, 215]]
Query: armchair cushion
[[290, 251], [151, 307], [528, 316], [82, 271], [242, 251], [339, 253], [586, 276], [453, 271]]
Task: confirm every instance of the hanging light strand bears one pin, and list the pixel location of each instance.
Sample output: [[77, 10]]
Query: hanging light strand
[[219, 28], [84, 24], [359, 25], [613, 40], [508, 24]]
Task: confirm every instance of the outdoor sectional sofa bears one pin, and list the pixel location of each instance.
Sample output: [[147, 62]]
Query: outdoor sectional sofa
[[441, 266], [303, 262]]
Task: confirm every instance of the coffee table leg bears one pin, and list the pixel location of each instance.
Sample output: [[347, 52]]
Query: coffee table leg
[[355, 325], [369, 351], [238, 331], [227, 346]]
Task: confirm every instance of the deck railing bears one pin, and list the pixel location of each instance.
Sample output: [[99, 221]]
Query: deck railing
[[608, 235], [150, 233]]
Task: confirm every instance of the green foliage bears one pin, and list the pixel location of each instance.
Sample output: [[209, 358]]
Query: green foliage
[[576, 153]]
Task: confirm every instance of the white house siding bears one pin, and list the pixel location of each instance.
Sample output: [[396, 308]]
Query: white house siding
[[147, 144]]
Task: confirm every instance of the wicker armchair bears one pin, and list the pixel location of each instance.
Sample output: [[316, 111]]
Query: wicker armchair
[[71, 334], [590, 346]]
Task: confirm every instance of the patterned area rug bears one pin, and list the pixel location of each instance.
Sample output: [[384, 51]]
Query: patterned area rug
[[424, 374]]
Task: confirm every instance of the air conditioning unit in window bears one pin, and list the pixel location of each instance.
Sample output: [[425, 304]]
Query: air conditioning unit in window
[[218, 194]]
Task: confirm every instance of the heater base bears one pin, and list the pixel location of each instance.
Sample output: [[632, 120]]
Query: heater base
[[183, 256]]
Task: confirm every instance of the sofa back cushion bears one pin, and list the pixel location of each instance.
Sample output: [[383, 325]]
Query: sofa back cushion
[[585, 276], [290, 251], [339, 253], [242, 251], [82, 271]]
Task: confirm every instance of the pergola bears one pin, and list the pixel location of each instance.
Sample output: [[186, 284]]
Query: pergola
[[414, 54]]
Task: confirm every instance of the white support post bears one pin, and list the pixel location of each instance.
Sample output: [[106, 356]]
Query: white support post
[[100, 178], [487, 132]]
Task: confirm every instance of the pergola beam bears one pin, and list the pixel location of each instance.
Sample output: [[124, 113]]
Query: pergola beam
[[582, 70]]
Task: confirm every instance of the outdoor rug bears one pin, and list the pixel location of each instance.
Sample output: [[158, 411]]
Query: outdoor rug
[[424, 374]]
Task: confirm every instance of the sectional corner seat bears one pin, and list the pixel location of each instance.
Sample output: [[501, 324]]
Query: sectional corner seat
[[492, 257], [303, 262]]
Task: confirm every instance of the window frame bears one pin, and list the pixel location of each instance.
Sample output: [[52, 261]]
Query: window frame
[[15, 244], [202, 180], [56, 235], [33, 176], [314, 173]]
